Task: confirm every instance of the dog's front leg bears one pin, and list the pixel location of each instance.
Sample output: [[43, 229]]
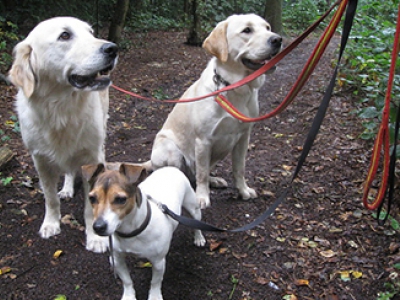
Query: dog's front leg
[[48, 176], [203, 155], [123, 273], [238, 167], [94, 242], [156, 279]]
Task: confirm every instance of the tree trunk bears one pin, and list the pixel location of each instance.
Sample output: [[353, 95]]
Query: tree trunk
[[118, 21], [273, 14], [194, 37]]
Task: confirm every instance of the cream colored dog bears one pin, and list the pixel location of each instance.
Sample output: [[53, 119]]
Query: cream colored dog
[[197, 135], [125, 205], [61, 71]]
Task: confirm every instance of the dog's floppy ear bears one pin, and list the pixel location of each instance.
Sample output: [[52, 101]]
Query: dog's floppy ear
[[21, 73], [134, 173], [91, 172], [217, 43]]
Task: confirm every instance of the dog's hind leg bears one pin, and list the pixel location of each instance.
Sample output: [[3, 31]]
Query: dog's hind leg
[[48, 175], [68, 189], [123, 273]]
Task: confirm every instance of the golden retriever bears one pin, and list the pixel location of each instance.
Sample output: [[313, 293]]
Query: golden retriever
[[197, 135], [62, 74]]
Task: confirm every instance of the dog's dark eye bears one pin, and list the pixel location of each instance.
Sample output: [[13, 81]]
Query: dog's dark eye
[[120, 200], [65, 36], [268, 28], [93, 199], [247, 30]]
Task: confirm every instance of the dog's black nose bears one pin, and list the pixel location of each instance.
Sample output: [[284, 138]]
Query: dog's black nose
[[110, 49], [275, 41], [100, 227]]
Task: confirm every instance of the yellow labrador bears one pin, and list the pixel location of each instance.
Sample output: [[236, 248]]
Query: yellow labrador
[[62, 74], [197, 135]]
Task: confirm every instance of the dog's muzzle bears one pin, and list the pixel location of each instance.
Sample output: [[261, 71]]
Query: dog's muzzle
[[275, 43], [100, 227], [99, 79]]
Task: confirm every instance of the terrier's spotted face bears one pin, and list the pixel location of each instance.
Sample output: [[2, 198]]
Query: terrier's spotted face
[[114, 194]]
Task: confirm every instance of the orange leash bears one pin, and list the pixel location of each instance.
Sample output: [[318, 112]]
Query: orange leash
[[382, 138], [301, 80]]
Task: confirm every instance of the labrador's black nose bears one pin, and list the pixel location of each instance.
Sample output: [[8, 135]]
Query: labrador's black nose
[[110, 49], [100, 227], [275, 41]]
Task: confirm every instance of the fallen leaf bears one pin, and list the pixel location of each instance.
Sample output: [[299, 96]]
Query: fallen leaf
[[301, 282], [5, 270], [357, 274], [57, 254], [262, 280], [344, 275], [328, 253], [238, 255], [214, 245], [146, 264]]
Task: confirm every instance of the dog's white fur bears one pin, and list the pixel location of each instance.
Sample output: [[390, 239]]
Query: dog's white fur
[[62, 119], [197, 135], [168, 186]]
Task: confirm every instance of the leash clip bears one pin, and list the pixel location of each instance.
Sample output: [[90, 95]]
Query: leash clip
[[160, 205]]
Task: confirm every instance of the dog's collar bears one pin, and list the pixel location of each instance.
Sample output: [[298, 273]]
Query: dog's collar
[[218, 80], [138, 230]]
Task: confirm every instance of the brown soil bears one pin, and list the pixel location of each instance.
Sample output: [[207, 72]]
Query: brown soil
[[305, 249]]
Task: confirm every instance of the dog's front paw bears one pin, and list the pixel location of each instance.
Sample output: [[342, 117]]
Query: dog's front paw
[[204, 202], [248, 193], [66, 194], [218, 182], [48, 229], [199, 239], [95, 243]]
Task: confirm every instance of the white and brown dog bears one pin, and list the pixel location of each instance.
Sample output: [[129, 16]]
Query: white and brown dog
[[125, 205], [197, 135], [62, 74]]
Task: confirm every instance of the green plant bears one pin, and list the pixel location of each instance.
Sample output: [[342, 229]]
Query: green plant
[[6, 180], [367, 63], [159, 94], [393, 287], [235, 282]]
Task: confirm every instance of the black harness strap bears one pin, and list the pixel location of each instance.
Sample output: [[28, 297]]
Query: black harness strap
[[350, 13]]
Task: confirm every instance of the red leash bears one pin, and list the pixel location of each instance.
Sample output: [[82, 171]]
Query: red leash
[[382, 138], [301, 80], [249, 78]]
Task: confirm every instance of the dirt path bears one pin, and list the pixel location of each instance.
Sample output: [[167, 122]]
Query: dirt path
[[305, 249]]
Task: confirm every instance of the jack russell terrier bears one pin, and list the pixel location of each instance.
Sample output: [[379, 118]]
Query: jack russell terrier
[[125, 206]]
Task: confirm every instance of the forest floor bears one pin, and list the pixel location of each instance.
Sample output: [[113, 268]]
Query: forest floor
[[319, 244]]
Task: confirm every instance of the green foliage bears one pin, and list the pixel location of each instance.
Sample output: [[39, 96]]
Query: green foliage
[[5, 180], [298, 15], [8, 38], [367, 63]]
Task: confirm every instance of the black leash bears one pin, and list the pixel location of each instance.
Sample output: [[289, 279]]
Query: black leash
[[391, 177], [189, 222]]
